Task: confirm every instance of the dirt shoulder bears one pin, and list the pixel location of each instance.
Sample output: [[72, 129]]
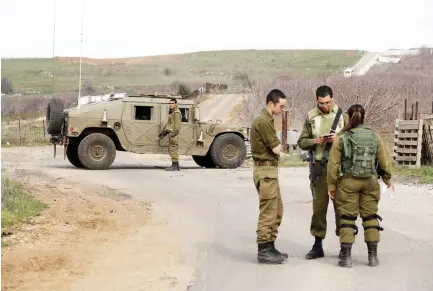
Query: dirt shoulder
[[89, 238]]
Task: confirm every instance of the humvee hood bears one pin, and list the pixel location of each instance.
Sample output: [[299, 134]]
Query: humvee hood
[[113, 110]]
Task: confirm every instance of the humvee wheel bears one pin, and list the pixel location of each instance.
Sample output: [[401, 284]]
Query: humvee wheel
[[96, 151], [72, 155], [228, 151], [54, 116], [204, 161]]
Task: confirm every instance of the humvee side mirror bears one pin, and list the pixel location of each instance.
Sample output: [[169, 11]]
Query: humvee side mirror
[[197, 114]]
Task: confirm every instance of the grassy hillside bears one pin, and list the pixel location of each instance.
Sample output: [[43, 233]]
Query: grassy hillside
[[34, 76]]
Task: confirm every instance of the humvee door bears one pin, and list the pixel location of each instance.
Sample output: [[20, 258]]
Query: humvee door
[[141, 123], [187, 126]]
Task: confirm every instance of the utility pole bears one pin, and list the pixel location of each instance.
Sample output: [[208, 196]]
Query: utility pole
[[81, 54], [54, 40]]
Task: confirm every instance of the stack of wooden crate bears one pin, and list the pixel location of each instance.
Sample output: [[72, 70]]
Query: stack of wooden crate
[[413, 142]]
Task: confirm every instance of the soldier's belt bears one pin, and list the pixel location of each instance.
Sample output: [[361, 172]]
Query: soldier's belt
[[266, 163]]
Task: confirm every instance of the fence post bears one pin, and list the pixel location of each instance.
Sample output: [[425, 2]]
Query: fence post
[[284, 131], [19, 129], [43, 126]]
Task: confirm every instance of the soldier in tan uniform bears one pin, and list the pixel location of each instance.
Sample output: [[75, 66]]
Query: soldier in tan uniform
[[358, 157], [172, 129], [265, 149], [325, 119]]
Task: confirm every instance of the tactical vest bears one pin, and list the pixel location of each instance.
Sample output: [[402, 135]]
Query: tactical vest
[[321, 124], [359, 152]]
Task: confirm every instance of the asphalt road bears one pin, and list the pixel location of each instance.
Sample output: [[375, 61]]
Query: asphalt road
[[215, 214], [366, 62]]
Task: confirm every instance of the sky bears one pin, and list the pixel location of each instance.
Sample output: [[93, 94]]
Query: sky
[[130, 28]]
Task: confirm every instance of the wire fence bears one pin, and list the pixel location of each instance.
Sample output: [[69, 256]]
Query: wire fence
[[24, 132]]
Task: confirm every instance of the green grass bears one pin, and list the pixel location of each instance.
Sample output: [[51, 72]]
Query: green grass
[[34, 76], [292, 161], [423, 175], [17, 204], [24, 133]]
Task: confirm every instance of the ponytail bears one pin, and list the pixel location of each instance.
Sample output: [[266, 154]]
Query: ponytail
[[356, 117]]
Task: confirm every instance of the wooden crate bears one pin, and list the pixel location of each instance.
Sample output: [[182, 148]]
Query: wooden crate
[[408, 142]]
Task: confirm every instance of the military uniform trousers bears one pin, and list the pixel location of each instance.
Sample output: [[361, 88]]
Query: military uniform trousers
[[320, 206], [270, 202], [173, 148], [358, 196]]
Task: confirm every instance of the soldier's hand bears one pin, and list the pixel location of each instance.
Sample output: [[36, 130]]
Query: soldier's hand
[[162, 134], [319, 140], [331, 194]]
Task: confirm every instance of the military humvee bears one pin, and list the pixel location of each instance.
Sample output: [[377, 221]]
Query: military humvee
[[92, 133]]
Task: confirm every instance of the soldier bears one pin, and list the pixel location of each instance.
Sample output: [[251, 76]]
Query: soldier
[[357, 184], [318, 133], [172, 129], [265, 149]]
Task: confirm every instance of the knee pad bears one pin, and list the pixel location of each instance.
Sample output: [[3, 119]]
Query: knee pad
[[346, 225], [372, 217]]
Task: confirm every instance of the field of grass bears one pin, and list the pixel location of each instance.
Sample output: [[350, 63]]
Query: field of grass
[[17, 204], [292, 160], [35, 76], [423, 175], [24, 132]]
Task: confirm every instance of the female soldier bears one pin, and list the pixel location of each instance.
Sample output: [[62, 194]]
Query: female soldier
[[352, 169]]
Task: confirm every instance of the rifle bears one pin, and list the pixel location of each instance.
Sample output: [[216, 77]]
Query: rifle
[[163, 133], [316, 172], [313, 173], [379, 171]]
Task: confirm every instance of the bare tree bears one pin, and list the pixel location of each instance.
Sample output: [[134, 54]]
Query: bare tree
[[298, 93], [381, 96]]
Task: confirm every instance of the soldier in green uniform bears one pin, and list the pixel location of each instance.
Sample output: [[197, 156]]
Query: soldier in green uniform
[[265, 149], [172, 129], [357, 158], [325, 119]]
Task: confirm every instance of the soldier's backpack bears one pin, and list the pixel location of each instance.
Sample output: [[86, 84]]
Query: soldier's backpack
[[359, 152]]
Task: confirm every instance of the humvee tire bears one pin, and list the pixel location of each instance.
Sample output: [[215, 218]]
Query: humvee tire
[[204, 161], [96, 151], [228, 151], [72, 155], [54, 116]]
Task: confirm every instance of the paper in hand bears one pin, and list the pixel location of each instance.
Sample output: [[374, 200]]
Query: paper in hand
[[384, 189]]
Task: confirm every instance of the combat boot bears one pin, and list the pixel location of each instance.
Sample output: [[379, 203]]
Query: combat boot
[[278, 252], [373, 261], [345, 255], [317, 250], [267, 255], [174, 167]]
